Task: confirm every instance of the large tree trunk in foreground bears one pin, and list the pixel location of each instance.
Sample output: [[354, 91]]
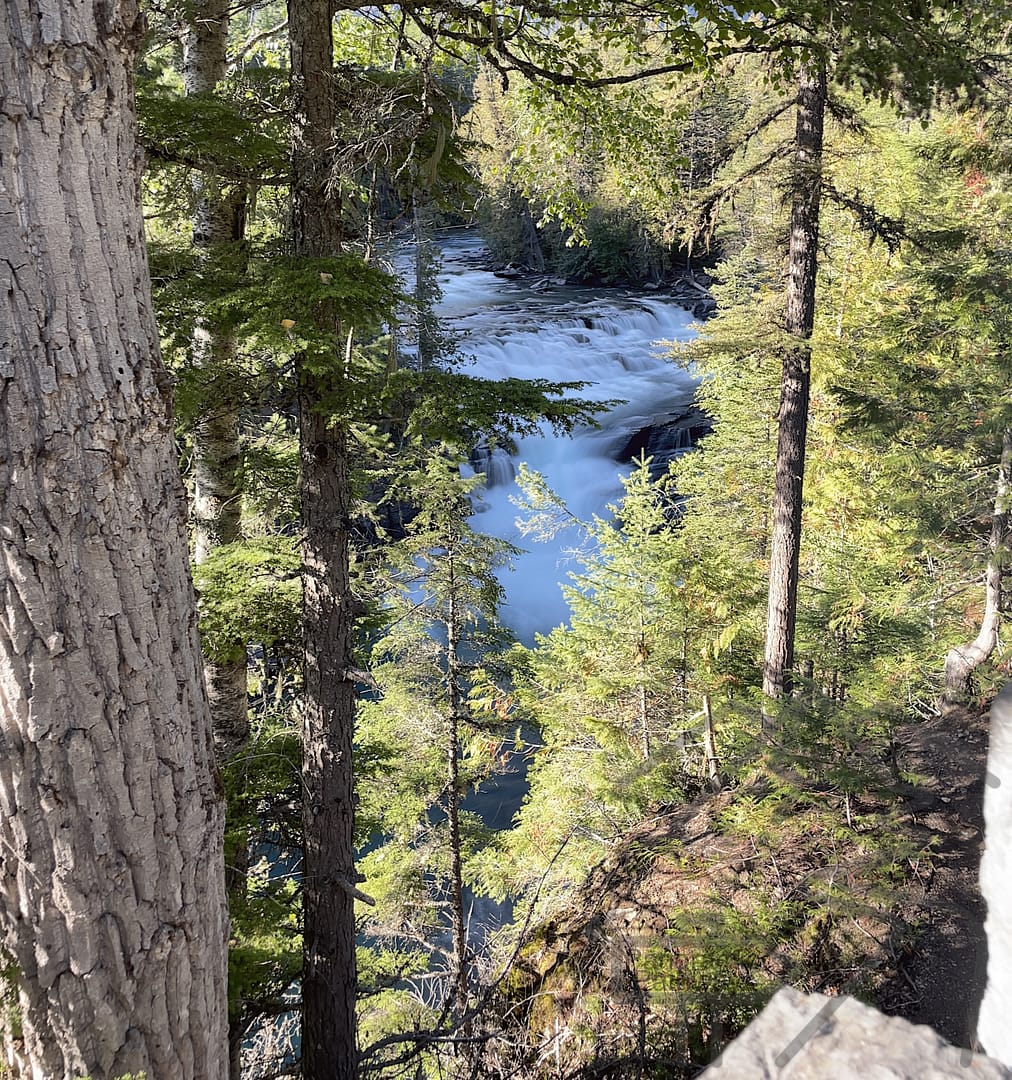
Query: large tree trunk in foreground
[[111, 877], [329, 979], [963, 661], [785, 541]]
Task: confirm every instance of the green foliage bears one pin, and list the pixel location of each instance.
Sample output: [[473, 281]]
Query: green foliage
[[916, 364], [565, 181], [708, 969], [227, 135], [186, 282], [262, 787], [459, 409], [441, 641], [270, 474], [616, 248], [265, 952], [250, 592], [616, 695], [272, 303], [401, 123], [295, 305]]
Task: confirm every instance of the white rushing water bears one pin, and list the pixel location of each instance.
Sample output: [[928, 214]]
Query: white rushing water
[[608, 338]]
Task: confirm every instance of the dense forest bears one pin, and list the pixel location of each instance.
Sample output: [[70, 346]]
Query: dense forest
[[257, 665]]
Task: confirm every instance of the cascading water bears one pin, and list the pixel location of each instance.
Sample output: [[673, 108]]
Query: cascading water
[[608, 339]]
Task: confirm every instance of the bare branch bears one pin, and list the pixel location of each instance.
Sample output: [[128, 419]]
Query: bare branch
[[252, 42]]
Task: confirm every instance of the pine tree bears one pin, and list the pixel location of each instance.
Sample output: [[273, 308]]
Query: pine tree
[[625, 697], [439, 669]]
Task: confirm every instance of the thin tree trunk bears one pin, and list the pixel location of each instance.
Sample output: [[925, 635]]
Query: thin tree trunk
[[963, 661], [219, 221], [112, 899], [454, 705], [329, 980], [641, 698], [785, 540], [532, 242], [219, 224], [641, 691], [710, 747]]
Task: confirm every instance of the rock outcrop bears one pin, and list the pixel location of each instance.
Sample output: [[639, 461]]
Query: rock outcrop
[[813, 1037], [995, 1024]]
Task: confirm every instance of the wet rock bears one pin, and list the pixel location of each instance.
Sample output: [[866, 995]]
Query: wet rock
[[665, 439]]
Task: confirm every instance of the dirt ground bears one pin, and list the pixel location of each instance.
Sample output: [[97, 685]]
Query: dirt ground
[[941, 977]]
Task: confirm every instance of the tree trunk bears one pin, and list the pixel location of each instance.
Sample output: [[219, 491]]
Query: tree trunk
[[714, 779], [329, 980], [219, 222], [111, 874], [454, 705], [785, 539], [962, 662]]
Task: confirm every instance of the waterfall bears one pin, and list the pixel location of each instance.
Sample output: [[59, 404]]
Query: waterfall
[[495, 465], [609, 339]]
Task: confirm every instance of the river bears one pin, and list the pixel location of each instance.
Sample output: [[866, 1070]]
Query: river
[[608, 338], [611, 339]]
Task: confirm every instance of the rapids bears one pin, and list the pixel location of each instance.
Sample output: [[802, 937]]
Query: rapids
[[607, 338]]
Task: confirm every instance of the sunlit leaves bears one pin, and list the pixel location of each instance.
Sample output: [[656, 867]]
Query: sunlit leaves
[[250, 592], [227, 135]]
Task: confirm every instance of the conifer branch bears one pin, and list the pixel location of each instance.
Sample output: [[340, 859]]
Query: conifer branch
[[353, 891], [215, 167], [891, 231], [703, 216], [358, 675]]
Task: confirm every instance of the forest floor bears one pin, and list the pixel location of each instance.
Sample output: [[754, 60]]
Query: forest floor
[[941, 976], [917, 952]]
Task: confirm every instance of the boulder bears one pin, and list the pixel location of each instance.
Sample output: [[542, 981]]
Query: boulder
[[814, 1037]]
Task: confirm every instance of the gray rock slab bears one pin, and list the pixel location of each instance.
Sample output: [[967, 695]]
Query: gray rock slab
[[814, 1037]]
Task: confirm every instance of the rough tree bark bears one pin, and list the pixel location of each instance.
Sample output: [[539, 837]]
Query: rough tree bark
[[963, 661], [111, 877], [785, 539], [219, 222], [329, 979]]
